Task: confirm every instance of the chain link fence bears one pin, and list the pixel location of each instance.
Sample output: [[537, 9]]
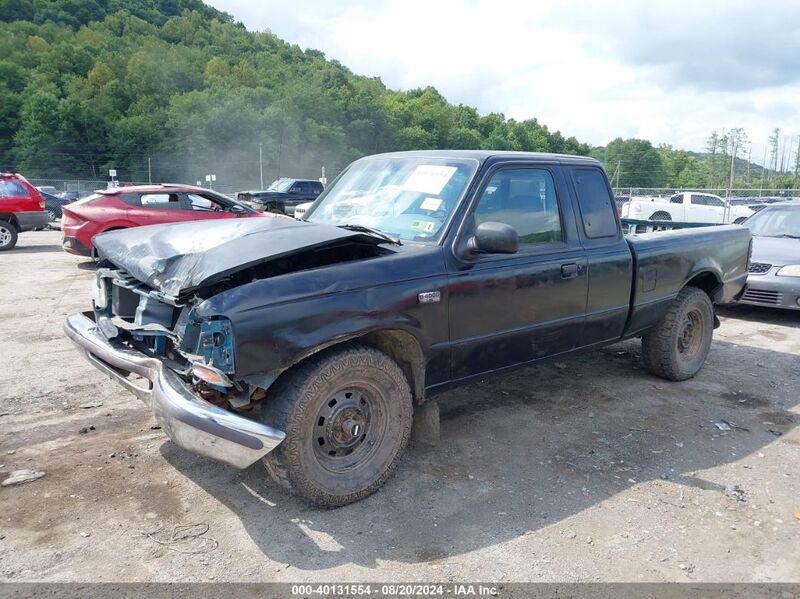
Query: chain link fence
[[755, 194], [56, 186]]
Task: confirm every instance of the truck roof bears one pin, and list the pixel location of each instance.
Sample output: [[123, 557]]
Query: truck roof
[[483, 155]]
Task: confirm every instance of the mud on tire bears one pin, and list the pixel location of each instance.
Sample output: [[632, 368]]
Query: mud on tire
[[347, 416], [678, 346]]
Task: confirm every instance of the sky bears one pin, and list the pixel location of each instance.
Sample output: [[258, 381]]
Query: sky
[[667, 71]]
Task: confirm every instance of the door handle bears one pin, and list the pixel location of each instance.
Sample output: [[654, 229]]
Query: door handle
[[569, 271]]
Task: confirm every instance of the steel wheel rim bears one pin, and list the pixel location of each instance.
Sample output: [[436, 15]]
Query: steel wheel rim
[[349, 428], [5, 236], [690, 338], [51, 216]]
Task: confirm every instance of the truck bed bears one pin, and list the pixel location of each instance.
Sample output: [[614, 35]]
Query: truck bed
[[664, 262]]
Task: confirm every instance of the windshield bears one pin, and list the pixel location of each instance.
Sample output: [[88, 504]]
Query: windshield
[[775, 222], [281, 185], [407, 198]]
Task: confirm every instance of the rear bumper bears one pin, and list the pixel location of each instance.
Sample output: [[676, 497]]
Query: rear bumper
[[74, 246], [189, 421], [27, 221]]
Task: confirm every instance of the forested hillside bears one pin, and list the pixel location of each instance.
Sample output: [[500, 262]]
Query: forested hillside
[[180, 87], [92, 84]]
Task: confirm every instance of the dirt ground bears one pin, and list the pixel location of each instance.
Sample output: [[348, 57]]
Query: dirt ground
[[587, 469]]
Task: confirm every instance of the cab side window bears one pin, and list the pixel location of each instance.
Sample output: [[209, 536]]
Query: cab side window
[[524, 198], [594, 198], [676, 199]]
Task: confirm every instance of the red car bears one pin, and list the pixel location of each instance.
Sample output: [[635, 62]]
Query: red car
[[21, 208], [124, 207]]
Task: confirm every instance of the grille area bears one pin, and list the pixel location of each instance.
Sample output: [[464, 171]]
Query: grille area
[[762, 296], [759, 268]]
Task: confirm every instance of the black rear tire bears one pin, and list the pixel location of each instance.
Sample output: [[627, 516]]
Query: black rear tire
[[677, 347], [347, 416], [8, 236]]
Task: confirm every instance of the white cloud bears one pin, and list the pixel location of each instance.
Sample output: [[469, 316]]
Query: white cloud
[[668, 71]]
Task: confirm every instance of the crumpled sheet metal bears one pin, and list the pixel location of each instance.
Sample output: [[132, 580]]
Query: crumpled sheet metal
[[180, 257]]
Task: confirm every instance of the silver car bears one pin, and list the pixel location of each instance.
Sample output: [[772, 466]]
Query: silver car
[[774, 278]]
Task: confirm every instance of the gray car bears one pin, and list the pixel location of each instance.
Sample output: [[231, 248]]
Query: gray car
[[774, 272]]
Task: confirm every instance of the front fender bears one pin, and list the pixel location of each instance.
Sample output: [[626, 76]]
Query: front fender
[[279, 322]]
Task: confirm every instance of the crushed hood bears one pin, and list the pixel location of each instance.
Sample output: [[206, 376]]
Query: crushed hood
[[177, 258], [778, 251]]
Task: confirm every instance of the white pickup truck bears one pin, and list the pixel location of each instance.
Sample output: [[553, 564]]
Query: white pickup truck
[[687, 207]]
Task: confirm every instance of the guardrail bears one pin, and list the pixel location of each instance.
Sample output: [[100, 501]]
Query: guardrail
[[632, 226]]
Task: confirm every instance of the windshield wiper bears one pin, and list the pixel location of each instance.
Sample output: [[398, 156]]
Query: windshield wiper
[[374, 232], [789, 236]]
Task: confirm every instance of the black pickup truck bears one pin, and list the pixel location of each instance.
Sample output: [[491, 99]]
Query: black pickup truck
[[308, 343]]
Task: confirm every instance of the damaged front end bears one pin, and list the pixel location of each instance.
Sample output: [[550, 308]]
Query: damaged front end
[[182, 366], [146, 331]]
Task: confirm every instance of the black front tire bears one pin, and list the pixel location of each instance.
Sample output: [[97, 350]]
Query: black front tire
[[347, 416], [665, 216], [677, 347], [8, 236]]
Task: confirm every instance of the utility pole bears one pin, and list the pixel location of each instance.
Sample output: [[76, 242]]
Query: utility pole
[[149, 174], [787, 156], [260, 167], [797, 159], [734, 151], [280, 151], [749, 157]]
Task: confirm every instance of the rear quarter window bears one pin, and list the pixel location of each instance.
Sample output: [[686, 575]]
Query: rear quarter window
[[596, 204], [12, 189]]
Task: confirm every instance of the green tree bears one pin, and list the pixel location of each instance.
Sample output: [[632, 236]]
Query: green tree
[[88, 84], [637, 163]]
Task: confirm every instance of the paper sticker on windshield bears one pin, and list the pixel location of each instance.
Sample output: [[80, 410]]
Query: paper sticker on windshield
[[432, 204], [423, 225], [429, 178]]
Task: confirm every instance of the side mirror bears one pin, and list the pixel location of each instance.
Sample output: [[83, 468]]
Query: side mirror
[[237, 209], [494, 238]]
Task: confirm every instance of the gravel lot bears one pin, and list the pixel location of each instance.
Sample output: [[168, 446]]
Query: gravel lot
[[587, 469]]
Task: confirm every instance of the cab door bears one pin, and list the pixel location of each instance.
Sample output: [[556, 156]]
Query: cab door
[[609, 259], [511, 309], [716, 209]]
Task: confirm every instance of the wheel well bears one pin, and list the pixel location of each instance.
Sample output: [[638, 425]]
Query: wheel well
[[404, 349], [707, 281], [399, 345], [10, 219]]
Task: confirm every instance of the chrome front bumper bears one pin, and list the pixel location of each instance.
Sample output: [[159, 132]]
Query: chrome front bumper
[[189, 421]]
